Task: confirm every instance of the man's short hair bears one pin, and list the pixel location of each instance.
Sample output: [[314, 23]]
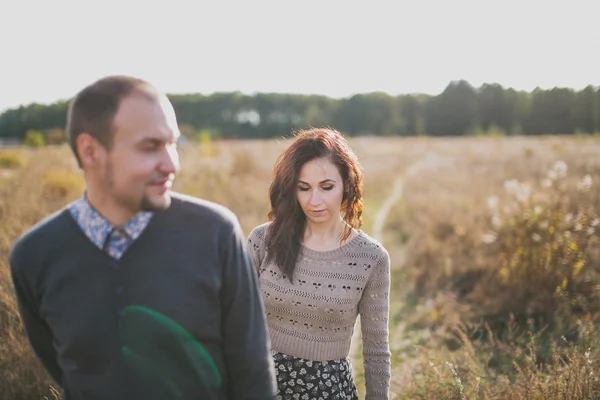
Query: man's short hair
[[93, 109]]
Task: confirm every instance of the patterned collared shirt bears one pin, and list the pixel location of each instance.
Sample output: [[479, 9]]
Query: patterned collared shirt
[[97, 228]]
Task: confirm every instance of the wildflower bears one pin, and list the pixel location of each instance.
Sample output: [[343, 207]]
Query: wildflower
[[521, 191], [496, 221], [489, 237], [546, 182], [492, 202], [511, 186], [537, 210], [437, 371], [587, 353], [536, 237], [586, 184], [559, 170], [524, 193], [595, 222]]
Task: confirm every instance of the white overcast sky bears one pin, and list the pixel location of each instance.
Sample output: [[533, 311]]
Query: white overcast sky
[[50, 49]]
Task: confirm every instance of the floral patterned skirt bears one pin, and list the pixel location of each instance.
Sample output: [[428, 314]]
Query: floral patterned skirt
[[300, 379]]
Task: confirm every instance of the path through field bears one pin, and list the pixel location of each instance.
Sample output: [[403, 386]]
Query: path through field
[[428, 162]]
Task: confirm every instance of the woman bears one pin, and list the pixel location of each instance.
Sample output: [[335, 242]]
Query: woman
[[318, 272]]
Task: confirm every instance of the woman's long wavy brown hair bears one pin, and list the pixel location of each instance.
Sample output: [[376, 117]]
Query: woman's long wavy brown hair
[[285, 232]]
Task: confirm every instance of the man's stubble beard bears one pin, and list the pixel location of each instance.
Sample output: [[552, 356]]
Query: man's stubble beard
[[134, 205]]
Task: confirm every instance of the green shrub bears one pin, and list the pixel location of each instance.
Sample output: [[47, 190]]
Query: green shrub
[[541, 234], [34, 139], [11, 159]]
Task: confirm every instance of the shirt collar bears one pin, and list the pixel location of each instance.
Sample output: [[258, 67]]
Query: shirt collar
[[97, 228]]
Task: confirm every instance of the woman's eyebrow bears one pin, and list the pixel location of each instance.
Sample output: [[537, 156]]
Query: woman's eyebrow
[[323, 181]]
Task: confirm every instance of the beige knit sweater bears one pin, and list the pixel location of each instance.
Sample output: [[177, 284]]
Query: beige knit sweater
[[314, 317]]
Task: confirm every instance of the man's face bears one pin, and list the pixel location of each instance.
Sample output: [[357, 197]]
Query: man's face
[[139, 169]]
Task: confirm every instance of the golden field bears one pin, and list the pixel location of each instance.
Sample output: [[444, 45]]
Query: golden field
[[494, 245]]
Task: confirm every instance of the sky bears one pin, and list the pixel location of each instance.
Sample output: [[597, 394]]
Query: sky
[[51, 49]]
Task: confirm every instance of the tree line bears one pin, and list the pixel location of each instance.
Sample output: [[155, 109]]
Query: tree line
[[460, 109]]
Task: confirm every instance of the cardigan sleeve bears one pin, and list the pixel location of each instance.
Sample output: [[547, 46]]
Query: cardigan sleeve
[[374, 313], [38, 333], [246, 338]]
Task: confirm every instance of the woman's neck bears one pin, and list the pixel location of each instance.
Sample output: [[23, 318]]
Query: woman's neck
[[323, 236]]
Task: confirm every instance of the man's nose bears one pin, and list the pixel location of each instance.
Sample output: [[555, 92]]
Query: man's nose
[[170, 161]]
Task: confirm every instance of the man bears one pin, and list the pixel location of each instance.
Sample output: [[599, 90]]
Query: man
[[134, 291]]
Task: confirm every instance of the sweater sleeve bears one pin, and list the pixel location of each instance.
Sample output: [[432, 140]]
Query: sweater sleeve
[[374, 312], [246, 341], [38, 333]]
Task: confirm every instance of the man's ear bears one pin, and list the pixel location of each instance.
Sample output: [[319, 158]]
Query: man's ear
[[88, 149]]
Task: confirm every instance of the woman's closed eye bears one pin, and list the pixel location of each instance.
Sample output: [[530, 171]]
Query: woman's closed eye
[[305, 189]]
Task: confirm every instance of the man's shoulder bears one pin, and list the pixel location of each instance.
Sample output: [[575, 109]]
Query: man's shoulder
[[189, 207], [39, 236]]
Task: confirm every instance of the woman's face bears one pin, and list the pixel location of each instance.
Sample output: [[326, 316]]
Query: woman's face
[[320, 190]]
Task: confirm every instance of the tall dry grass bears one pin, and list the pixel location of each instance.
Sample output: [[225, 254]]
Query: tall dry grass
[[502, 239], [494, 250], [27, 194]]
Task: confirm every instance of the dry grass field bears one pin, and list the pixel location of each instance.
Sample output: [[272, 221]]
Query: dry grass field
[[494, 245]]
